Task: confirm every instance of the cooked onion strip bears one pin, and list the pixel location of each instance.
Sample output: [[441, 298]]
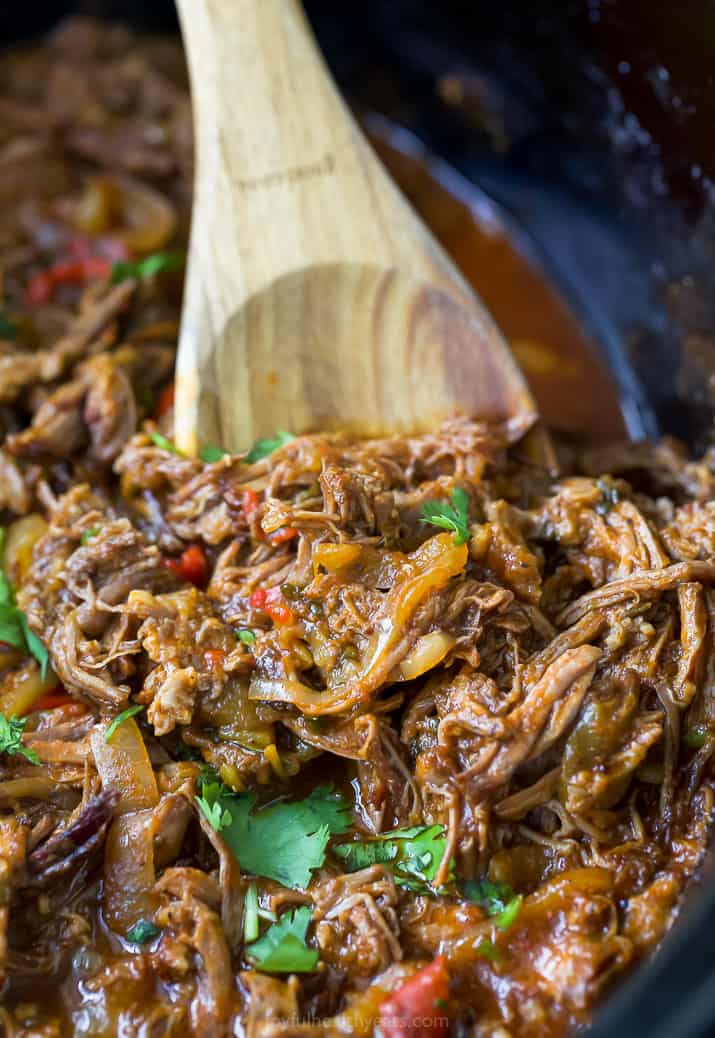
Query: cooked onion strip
[[123, 765]]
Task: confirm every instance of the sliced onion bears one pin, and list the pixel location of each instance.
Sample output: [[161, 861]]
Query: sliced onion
[[427, 652], [123, 765], [129, 874], [20, 540], [334, 557], [21, 689], [433, 564], [282, 690]]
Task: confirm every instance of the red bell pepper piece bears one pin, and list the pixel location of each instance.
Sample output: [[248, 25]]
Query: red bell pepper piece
[[418, 1008], [286, 533], [191, 566]]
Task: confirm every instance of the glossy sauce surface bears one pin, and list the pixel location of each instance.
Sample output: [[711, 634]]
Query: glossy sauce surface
[[573, 389]]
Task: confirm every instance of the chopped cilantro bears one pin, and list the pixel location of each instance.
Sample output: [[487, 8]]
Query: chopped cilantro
[[218, 816], [135, 708], [88, 534], [11, 730], [285, 841], [262, 448], [147, 267], [282, 949], [143, 932], [497, 900], [250, 914], [358, 855], [14, 628], [165, 444], [211, 453], [415, 855], [245, 635], [488, 950], [450, 517]]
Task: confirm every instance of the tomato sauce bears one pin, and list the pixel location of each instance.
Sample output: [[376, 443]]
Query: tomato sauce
[[574, 391]]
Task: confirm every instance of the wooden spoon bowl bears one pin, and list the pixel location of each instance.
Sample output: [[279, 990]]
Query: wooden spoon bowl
[[315, 297]]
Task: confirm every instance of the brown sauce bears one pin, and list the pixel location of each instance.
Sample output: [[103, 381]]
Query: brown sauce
[[575, 393]]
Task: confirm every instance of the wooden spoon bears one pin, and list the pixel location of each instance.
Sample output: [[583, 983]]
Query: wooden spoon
[[315, 297]]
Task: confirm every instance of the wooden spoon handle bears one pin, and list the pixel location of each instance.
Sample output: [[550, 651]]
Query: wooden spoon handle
[[278, 154]]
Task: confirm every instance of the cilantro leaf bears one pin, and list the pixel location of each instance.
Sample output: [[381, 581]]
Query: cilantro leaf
[[135, 708], [245, 635], [415, 855], [210, 452], [165, 444], [11, 632], [11, 730], [14, 628], [147, 267], [282, 949], [285, 841], [218, 816], [143, 932], [357, 855], [497, 899], [488, 950], [450, 517], [262, 448], [35, 646], [507, 917]]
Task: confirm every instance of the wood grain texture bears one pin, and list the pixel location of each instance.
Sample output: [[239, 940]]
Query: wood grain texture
[[315, 298]]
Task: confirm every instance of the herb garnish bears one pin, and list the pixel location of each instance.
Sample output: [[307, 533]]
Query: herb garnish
[[246, 636], [165, 444], [88, 534], [135, 708], [250, 914], [147, 267], [497, 900], [11, 730], [210, 453], [414, 855], [262, 448], [285, 841], [143, 932], [282, 949], [489, 950], [450, 517], [14, 628]]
